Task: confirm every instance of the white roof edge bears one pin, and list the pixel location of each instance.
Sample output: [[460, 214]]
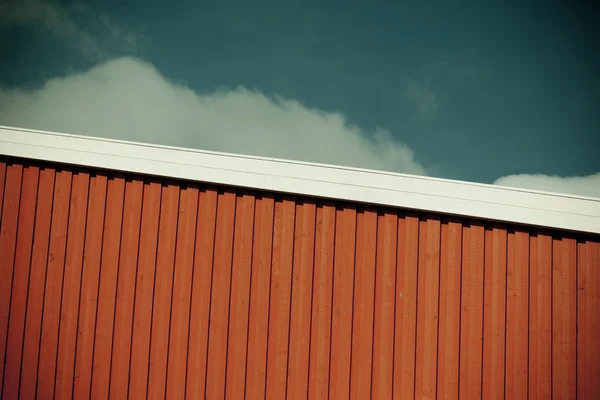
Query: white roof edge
[[550, 210]]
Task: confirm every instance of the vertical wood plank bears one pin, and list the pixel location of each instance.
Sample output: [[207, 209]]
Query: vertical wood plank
[[182, 287], [3, 166], [494, 318], [144, 291], [71, 286], [240, 296], [201, 294], [588, 320], [281, 299], [111, 244], [406, 307], [385, 292], [8, 240], [427, 308], [449, 330], [54, 281], [219, 311], [367, 240], [37, 283], [279, 314], [20, 282], [121, 348], [517, 315], [564, 318], [343, 290], [302, 282], [540, 317], [88, 297], [318, 384], [256, 363], [471, 329], [163, 287]]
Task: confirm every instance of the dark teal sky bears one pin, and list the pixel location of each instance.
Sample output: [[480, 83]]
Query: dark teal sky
[[477, 90]]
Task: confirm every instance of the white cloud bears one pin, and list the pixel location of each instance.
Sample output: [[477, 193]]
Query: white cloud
[[579, 185], [129, 99], [59, 22]]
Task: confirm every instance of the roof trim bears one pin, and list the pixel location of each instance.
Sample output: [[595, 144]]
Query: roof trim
[[519, 206]]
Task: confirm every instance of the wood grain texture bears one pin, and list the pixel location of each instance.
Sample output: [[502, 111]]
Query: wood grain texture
[[540, 317], [279, 309], [132, 210], [90, 276], [8, 239], [241, 274], [364, 298], [517, 318], [20, 282], [343, 290], [124, 286], [449, 306], [385, 292], [258, 324], [107, 287], [302, 282], [144, 291], [54, 285], [71, 286], [163, 290], [37, 282], [182, 290]]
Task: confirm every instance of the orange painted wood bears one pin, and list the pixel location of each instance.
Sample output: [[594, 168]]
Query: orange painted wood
[[406, 306], [279, 309], [221, 285], [427, 308], [517, 318], [302, 282], [71, 286], [3, 165], [258, 324], [343, 290], [182, 288], [132, 210], [540, 317], [449, 309], [20, 281], [564, 318], [123, 286], [54, 285], [163, 290], [384, 242], [364, 298], [471, 318], [201, 294], [107, 287], [37, 283], [144, 291], [320, 344], [240, 295], [494, 313], [88, 298], [8, 239], [588, 318]]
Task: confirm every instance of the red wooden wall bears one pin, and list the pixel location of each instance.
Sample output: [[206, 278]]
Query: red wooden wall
[[121, 286]]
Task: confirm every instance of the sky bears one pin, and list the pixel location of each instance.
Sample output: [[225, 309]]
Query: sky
[[492, 92]]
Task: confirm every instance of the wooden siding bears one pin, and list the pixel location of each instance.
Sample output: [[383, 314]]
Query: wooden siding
[[133, 287]]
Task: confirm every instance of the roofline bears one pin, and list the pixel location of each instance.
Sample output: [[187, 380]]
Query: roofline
[[543, 209]]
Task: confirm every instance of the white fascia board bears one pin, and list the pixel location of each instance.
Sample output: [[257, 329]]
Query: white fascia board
[[492, 202]]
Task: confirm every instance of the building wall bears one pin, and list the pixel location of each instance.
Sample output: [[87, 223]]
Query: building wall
[[120, 285]]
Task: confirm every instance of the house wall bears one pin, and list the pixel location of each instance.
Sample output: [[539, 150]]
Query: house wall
[[116, 285]]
